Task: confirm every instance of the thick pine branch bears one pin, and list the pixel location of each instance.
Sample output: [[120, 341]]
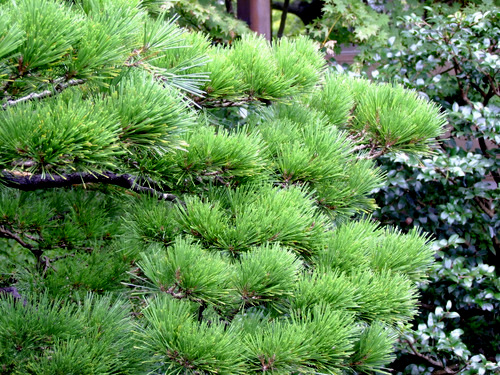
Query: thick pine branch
[[31, 182]]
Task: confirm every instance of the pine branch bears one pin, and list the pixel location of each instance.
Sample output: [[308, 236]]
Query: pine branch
[[485, 206], [48, 262], [223, 103], [29, 182], [5, 233], [374, 152], [44, 94]]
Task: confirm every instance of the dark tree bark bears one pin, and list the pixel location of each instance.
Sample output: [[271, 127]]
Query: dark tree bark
[[229, 6], [35, 182], [306, 11]]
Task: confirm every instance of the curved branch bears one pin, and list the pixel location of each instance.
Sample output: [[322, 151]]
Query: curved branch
[[5, 233], [31, 182], [224, 103]]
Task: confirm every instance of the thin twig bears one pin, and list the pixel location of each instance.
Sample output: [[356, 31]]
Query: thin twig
[[48, 262], [329, 31], [5, 233], [484, 207], [172, 291], [430, 360], [359, 147], [375, 154]]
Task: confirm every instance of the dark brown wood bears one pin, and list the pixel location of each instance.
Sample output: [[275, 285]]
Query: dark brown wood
[[257, 13], [30, 182]]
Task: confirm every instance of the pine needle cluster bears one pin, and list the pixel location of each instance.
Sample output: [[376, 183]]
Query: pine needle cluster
[[141, 234]]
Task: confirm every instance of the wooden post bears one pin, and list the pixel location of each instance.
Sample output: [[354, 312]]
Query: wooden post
[[257, 13]]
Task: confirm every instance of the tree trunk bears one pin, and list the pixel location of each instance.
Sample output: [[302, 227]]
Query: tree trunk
[[257, 13]]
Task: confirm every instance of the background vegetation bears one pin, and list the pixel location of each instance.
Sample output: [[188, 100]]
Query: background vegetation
[[451, 57]]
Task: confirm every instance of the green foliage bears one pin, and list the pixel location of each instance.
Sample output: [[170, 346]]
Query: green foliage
[[400, 117], [383, 116], [236, 156], [384, 296], [205, 16], [238, 260], [185, 270], [264, 77], [54, 28], [81, 133], [328, 287], [299, 60], [177, 343], [266, 274], [365, 23], [187, 54], [150, 115], [374, 348], [336, 100], [452, 59], [68, 129], [339, 16], [11, 36], [45, 336], [367, 246], [248, 216]]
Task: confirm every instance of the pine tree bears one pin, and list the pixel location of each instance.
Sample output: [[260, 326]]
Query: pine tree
[[169, 206]]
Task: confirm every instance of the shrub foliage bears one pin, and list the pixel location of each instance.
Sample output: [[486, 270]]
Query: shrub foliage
[[452, 59]]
